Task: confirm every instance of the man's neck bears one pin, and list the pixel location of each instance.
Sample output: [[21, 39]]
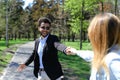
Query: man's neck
[[44, 36]]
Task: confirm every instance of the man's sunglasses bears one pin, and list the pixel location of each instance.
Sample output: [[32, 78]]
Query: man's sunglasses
[[45, 28]]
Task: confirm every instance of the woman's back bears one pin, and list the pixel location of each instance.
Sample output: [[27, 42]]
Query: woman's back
[[112, 60]]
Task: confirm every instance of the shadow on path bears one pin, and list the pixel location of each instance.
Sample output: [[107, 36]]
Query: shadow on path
[[22, 53], [20, 56]]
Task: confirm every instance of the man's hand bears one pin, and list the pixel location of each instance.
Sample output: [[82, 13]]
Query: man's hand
[[21, 67], [70, 51]]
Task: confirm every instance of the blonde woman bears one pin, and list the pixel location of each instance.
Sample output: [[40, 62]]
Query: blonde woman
[[104, 35]]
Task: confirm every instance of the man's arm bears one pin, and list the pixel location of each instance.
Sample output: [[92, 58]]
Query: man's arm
[[59, 46], [27, 62], [23, 65], [30, 59]]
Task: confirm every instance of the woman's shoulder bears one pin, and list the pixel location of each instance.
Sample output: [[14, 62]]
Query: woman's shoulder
[[112, 56], [113, 62]]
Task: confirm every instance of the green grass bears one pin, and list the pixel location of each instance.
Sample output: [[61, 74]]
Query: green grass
[[85, 45], [11, 42], [4, 60], [79, 66]]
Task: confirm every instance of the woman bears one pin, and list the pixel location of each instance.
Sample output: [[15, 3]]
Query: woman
[[104, 35]]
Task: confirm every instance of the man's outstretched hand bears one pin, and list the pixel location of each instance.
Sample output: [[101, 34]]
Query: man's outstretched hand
[[70, 51], [21, 67]]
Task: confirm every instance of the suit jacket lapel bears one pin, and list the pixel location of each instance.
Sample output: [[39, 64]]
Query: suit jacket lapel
[[47, 41], [37, 44], [48, 38]]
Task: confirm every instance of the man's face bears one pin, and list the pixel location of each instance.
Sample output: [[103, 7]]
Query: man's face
[[44, 29]]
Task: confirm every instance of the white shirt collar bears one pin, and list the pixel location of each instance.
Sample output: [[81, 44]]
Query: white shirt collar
[[44, 38]]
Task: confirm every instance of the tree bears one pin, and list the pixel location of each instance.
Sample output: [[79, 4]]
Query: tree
[[15, 23], [27, 22], [2, 18], [47, 8], [80, 11]]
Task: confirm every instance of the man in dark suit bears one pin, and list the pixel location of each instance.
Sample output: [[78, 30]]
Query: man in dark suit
[[46, 64]]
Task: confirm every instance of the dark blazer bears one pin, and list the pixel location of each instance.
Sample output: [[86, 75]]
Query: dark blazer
[[50, 58]]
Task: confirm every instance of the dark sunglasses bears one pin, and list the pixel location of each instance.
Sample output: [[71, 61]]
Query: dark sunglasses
[[45, 28]]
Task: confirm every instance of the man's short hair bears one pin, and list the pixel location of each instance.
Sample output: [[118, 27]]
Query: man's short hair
[[45, 20]]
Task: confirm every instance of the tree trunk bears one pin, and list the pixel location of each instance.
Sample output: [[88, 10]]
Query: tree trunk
[[35, 34], [81, 24], [115, 7], [73, 37]]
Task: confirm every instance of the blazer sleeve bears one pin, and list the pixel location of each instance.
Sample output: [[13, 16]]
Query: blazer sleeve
[[31, 58], [58, 45]]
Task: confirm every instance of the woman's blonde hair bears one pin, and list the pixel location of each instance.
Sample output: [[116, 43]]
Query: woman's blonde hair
[[103, 32]]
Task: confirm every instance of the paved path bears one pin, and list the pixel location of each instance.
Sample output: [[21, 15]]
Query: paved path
[[20, 56], [22, 53]]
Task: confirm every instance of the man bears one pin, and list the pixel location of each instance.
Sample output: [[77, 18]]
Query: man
[[46, 64]]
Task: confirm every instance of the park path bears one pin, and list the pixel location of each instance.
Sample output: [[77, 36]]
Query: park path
[[22, 53], [20, 56]]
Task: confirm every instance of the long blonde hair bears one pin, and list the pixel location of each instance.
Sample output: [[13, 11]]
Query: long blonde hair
[[103, 32]]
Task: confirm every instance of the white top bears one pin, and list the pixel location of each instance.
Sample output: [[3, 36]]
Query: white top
[[40, 49], [112, 60]]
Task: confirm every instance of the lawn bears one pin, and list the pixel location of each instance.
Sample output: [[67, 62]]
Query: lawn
[[78, 66], [11, 42], [4, 60]]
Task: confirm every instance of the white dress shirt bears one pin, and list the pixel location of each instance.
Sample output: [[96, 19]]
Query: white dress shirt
[[40, 49]]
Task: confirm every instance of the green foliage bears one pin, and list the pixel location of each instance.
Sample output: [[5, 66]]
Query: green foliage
[[2, 16], [75, 9], [66, 15], [15, 13]]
